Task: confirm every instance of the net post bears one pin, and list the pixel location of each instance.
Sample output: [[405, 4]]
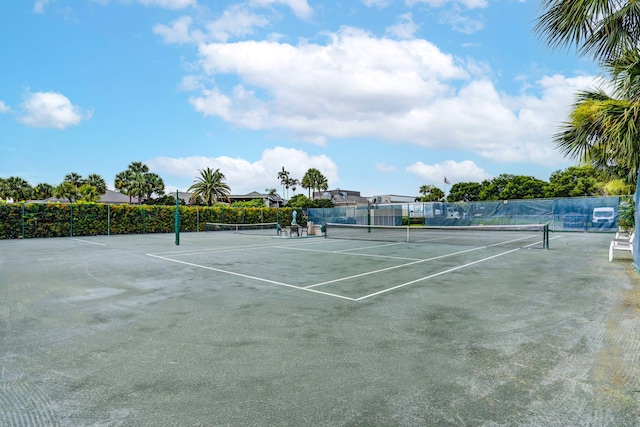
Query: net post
[[176, 219], [545, 239]]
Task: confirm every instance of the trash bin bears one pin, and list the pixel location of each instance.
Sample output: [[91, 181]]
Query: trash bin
[[310, 229]]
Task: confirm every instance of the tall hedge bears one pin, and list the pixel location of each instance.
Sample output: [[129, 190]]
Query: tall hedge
[[32, 220]]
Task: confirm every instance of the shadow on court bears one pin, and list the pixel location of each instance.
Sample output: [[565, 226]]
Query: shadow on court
[[235, 330]]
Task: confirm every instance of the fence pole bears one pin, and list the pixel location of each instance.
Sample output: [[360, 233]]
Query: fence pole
[[176, 219], [70, 220], [22, 220], [108, 220]]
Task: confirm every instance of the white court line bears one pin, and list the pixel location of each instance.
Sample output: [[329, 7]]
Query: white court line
[[435, 275], [246, 276], [216, 249], [88, 241], [370, 247], [394, 267], [346, 253], [517, 240], [308, 288]]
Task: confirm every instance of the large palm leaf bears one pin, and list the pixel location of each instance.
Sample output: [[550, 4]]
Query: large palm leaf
[[602, 131], [602, 28]]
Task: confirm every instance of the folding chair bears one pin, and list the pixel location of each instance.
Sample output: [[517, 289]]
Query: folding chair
[[621, 242]]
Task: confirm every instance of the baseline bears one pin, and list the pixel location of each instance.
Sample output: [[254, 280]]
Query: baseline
[[89, 241]]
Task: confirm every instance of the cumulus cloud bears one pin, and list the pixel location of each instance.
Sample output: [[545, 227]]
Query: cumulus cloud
[[169, 4], [165, 4], [4, 108], [39, 6], [347, 88], [464, 171], [470, 4], [177, 32], [383, 167], [244, 175], [51, 110], [404, 28], [461, 22], [235, 22], [300, 8], [341, 89]]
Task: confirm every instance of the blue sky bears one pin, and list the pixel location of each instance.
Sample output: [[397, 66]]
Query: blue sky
[[381, 96]]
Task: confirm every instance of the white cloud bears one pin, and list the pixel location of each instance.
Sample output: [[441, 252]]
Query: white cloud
[[235, 22], [51, 110], [300, 8], [460, 22], [165, 4], [385, 168], [169, 4], [464, 171], [244, 176], [177, 32], [4, 108], [470, 4], [39, 5], [380, 4], [404, 28], [342, 89], [349, 89]]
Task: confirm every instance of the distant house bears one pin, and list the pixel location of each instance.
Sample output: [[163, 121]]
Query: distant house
[[393, 198], [110, 197], [270, 200], [341, 197]]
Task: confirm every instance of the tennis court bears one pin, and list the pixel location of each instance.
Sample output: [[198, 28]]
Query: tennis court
[[231, 329]]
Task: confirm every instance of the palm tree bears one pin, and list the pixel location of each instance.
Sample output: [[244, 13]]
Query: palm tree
[[42, 191], [15, 188], [602, 130], [293, 183], [430, 193], [98, 182], [74, 179], [155, 185], [122, 182], [604, 29], [315, 180], [138, 185], [66, 190], [209, 186], [138, 182], [89, 193], [307, 182], [283, 176]]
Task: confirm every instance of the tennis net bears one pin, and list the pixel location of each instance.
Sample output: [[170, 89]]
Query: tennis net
[[263, 228], [523, 235]]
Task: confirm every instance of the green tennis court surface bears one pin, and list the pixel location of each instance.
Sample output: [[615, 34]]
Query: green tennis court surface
[[243, 330]]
